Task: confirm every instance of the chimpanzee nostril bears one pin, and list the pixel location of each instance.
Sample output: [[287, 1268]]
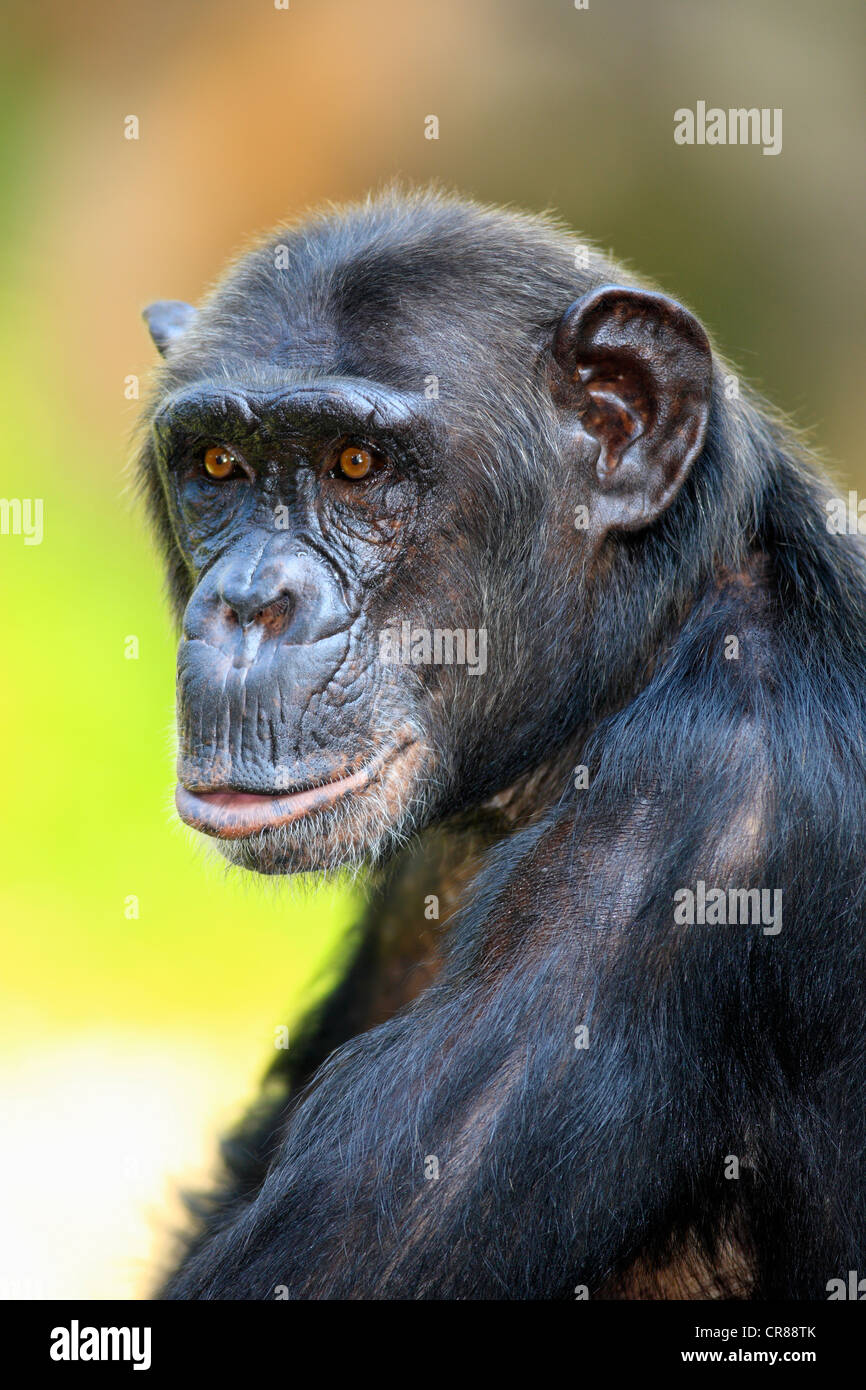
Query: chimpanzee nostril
[[273, 614], [276, 617]]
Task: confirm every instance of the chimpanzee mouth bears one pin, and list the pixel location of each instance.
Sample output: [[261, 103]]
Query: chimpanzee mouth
[[235, 815]]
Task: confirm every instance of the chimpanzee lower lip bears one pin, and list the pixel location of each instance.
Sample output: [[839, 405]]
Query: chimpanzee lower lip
[[233, 815]]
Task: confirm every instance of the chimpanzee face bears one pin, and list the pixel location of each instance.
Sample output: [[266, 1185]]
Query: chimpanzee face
[[369, 495], [296, 509]]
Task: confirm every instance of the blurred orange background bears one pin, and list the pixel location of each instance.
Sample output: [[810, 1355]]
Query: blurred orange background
[[127, 1042]]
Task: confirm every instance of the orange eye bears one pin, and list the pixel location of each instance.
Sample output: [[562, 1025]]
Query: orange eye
[[220, 461], [355, 462]]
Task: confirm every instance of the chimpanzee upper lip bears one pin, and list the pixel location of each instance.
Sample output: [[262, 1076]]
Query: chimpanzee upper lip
[[232, 815]]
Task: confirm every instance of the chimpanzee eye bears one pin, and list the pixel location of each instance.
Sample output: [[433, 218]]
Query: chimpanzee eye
[[220, 461], [356, 462]]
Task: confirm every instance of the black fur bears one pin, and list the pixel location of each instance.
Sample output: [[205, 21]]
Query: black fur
[[559, 1167]]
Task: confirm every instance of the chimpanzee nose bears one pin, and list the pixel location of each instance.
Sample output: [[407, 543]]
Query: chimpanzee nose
[[286, 596], [268, 604], [250, 598]]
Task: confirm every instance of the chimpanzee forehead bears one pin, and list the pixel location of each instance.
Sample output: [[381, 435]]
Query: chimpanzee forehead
[[441, 291]]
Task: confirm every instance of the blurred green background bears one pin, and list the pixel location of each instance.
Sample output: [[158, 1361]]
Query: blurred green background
[[127, 1043]]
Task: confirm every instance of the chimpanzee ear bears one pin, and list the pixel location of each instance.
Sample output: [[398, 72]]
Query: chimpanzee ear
[[633, 370], [167, 319]]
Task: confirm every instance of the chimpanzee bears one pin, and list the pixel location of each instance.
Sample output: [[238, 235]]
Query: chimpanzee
[[493, 582]]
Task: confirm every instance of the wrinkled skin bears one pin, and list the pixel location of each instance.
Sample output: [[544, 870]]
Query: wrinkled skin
[[279, 686]]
